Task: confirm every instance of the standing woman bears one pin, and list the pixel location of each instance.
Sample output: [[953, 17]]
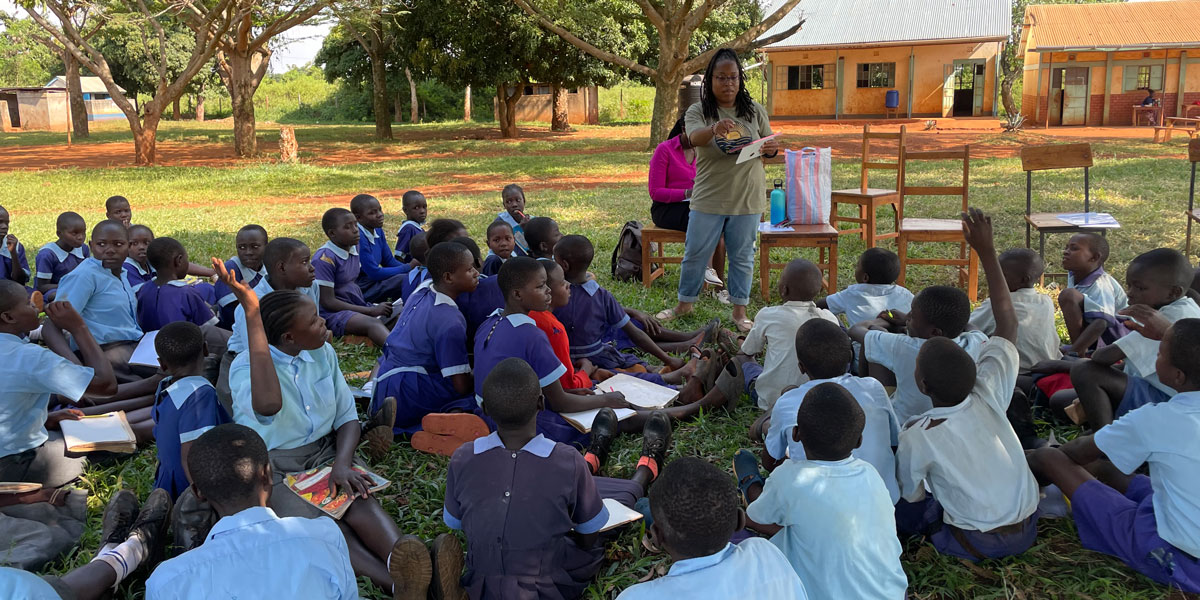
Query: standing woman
[[727, 198]]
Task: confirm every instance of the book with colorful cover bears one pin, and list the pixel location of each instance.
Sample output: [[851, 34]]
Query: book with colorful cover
[[313, 487]]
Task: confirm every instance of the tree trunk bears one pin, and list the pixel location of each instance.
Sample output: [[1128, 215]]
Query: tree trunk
[[398, 108], [666, 103], [559, 119], [467, 104], [506, 106], [144, 134], [245, 73], [1006, 96], [379, 96], [412, 95], [79, 118], [200, 103], [175, 110]]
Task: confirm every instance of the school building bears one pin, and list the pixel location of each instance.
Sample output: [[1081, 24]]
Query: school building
[[1091, 64], [46, 108], [860, 58], [536, 104]]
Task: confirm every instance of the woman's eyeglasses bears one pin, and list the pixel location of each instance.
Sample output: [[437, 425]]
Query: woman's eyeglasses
[[732, 79]]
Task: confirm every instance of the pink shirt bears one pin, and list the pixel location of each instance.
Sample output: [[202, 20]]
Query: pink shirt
[[671, 175]]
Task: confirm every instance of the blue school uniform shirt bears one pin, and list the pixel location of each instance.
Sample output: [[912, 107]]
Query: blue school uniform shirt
[[136, 274], [176, 301], [1141, 353], [1164, 436], [376, 261], [588, 316], [880, 432], [517, 509], [839, 528], [6, 262], [492, 264], [1103, 296], [30, 374], [501, 337], [183, 410], [316, 399], [864, 301], [226, 300], [105, 301], [404, 236], [754, 568], [478, 305], [237, 340], [256, 554], [52, 262], [338, 269], [413, 280], [15, 583], [429, 339]]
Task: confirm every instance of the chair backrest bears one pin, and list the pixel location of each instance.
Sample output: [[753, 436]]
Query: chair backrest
[[962, 153], [1194, 150], [1056, 156], [868, 164]]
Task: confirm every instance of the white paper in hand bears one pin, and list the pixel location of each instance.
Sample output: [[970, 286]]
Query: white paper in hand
[[753, 150]]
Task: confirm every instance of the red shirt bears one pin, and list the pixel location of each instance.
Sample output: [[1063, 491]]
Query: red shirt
[[554, 330]]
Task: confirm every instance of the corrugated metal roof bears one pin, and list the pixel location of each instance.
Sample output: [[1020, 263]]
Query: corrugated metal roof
[[90, 85], [829, 23], [1135, 25]]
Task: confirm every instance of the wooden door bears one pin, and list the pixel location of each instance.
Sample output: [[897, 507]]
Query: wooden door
[[1075, 96]]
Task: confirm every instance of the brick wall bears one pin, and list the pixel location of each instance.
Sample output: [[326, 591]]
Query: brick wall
[[1028, 104], [1095, 110]]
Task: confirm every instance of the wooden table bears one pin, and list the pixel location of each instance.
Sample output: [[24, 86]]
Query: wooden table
[[823, 237], [1153, 110], [1191, 108]]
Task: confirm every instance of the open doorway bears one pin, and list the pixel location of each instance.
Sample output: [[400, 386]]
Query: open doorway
[[963, 88], [1069, 96], [14, 111]]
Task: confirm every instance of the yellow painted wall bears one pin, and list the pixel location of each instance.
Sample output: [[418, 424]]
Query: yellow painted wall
[[927, 85]]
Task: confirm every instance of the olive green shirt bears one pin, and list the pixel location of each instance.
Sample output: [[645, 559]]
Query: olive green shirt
[[723, 187]]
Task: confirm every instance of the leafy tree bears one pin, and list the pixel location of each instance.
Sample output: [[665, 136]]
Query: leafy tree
[[25, 34], [244, 53], [148, 16], [675, 24], [23, 61], [375, 26]]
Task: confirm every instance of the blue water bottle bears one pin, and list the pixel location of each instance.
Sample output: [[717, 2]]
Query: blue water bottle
[[778, 203]]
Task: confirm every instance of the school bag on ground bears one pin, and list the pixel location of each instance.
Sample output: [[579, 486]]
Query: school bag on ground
[[627, 256], [809, 185]]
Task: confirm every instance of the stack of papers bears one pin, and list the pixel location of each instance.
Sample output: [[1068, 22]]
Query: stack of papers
[[769, 228], [109, 432], [639, 392], [1090, 219]]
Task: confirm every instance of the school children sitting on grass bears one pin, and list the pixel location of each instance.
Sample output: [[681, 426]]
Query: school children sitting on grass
[[137, 264], [419, 249], [542, 235], [381, 275], [14, 266], [336, 266], [246, 265], [501, 244], [1093, 297], [57, 258], [531, 508], [513, 198], [415, 211]]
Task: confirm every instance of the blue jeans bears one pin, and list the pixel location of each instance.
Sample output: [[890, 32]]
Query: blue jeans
[[703, 232]]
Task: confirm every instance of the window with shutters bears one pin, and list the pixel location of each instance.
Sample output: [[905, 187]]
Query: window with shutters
[[806, 77], [1142, 77]]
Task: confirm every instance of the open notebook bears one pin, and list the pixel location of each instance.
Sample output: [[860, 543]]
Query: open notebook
[[108, 432], [638, 392], [618, 514], [145, 354]]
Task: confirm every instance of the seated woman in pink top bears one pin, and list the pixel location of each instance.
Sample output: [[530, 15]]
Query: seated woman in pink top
[[672, 171]]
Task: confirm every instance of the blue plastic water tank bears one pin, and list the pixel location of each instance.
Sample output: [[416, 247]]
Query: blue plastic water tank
[[892, 99]]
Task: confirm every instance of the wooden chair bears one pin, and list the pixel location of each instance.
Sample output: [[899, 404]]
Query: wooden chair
[[823, 237], [1192, 213], [654, 259], [937, 230], [1052, 157], [869, 199]]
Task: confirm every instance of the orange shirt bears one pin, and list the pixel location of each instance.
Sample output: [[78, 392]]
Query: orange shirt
[[554, 330]]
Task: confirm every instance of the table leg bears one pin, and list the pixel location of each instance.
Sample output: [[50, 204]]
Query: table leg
[[647, 276], [833, 266], [764, 269], [902, 253]]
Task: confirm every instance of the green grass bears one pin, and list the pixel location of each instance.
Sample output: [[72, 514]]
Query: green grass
[[204, 207]]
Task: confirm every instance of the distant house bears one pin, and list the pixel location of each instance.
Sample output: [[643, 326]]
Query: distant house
[[96, 98], [939, 57], [583, 106], [45, 108], [1089, 64]]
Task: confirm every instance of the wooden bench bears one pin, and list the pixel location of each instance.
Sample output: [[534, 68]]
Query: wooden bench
[[1187, 125], [823, 237], [654, 258]]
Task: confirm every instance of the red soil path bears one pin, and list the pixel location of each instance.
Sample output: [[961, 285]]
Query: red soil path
[[844, 137]]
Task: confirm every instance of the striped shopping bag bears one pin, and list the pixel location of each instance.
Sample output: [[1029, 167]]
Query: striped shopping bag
[[809, 182]]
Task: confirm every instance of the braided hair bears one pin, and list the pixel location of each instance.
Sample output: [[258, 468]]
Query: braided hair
[[279, 310], [708, 102]]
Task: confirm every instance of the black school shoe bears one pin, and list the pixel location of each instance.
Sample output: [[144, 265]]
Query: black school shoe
[[151, 524], [604, 430], [119, 516], [656, 437], [447, 555]]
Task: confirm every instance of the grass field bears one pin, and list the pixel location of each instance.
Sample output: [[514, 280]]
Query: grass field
[[591, 183]]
